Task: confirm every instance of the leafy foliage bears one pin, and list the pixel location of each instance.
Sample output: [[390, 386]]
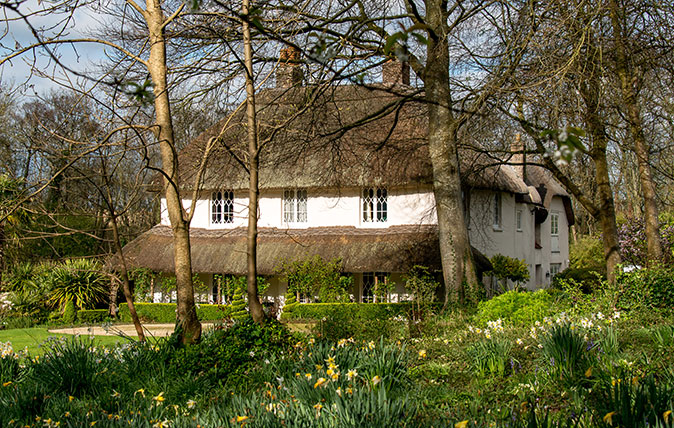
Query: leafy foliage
[[490, 357], [80, 281], [314, 276], [509, 268], [518, 307], [651, 287], [238, 310], [166, 312], [422, 285]]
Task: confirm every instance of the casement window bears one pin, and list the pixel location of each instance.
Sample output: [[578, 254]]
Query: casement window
[[371, 280], [222, 207], [375, 205], [295, 206], [554, 269], [497, 210], [554, 232], [518, 220]]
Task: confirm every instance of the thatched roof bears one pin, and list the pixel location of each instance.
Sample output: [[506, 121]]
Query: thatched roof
[[332, 136], [394, 249]]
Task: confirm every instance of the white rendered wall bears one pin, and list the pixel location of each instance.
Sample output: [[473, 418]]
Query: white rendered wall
[[325, 207]]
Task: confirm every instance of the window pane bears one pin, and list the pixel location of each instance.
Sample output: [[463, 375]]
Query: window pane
[[228, 215], [216, 208], [302, 206]]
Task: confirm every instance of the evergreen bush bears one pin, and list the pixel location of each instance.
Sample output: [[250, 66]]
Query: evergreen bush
[[166, 312], [238, 310], [518, 307]]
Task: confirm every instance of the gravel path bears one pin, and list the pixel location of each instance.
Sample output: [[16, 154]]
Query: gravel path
[[157, 330]]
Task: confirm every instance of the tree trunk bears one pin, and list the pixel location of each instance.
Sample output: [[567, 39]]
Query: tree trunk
[[457, 262], [606, 209], [253, 164], [628, 88], [126, 286], [187, 324]]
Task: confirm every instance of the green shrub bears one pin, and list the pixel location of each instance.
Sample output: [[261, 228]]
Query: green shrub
[[166, 312], [421, 284], [651, 288], [587, 253], [238, 311], [589, 279], [230, 352], [517, 307], [314, 276], [89, 316], [318, 311], [508, 268], [69, 312]]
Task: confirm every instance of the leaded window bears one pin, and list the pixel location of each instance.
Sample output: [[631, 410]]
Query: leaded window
[[375, 205], [295, 206], [222, 207], [497, 211], [554, 232]]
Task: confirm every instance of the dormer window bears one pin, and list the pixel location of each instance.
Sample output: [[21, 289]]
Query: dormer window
[[295, 206], [375, 205], [222, 207]]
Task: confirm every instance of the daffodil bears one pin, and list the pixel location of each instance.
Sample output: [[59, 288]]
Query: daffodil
[[191, 404], [608, 418], [115, 394], [320, 382], [159, 398], [318, 406], [352, 374], [335, 376], [422, 353], [308, 376], [666, 416], [70, 398], [141, 392], [376, 380], [7, 383], [241, 418], [462, 424], [588, 372]]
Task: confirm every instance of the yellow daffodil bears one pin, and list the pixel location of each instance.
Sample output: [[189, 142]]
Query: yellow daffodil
[[92, 423], [666, 416], [140, 391], [7, 383], [462, 424], [191, 404], [330, 360], [608, 418], [588, 372], [422, 353], [329, 372], [352, 374], [349, 390], [376, 380], [338, 391], [66, 414], [320, 382], [115, 394], [70, 398], [319, 367], [318, 406], [335, 376], [159, 398], [308, 376], [241, 418]]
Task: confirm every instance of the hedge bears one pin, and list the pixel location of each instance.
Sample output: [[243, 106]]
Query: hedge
[[89, 316], [317, 311], [166, 312]]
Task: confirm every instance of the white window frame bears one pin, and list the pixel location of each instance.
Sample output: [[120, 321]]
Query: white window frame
[[371, 278], [554, 232], [294, 206], [557, 267], [519, 216], [497, 212], [221, 207], [374, 205]]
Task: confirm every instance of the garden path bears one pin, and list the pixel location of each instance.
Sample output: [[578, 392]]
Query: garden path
[[157, 330]]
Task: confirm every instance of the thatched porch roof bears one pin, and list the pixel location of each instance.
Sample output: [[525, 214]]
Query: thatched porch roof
[[393, 249]]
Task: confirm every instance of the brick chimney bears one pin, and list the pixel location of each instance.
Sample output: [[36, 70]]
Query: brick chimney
[[395, 72], [519, 157], [289, 72]]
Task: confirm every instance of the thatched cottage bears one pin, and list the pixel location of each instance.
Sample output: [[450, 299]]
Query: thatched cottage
[[345, 173]]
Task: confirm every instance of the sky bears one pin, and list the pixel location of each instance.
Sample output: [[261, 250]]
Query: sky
[[23, 72]]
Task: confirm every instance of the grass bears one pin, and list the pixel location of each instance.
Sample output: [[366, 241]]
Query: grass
[[31, 338]]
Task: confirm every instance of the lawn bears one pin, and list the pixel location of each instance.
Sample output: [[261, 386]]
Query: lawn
[[31, 338]]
